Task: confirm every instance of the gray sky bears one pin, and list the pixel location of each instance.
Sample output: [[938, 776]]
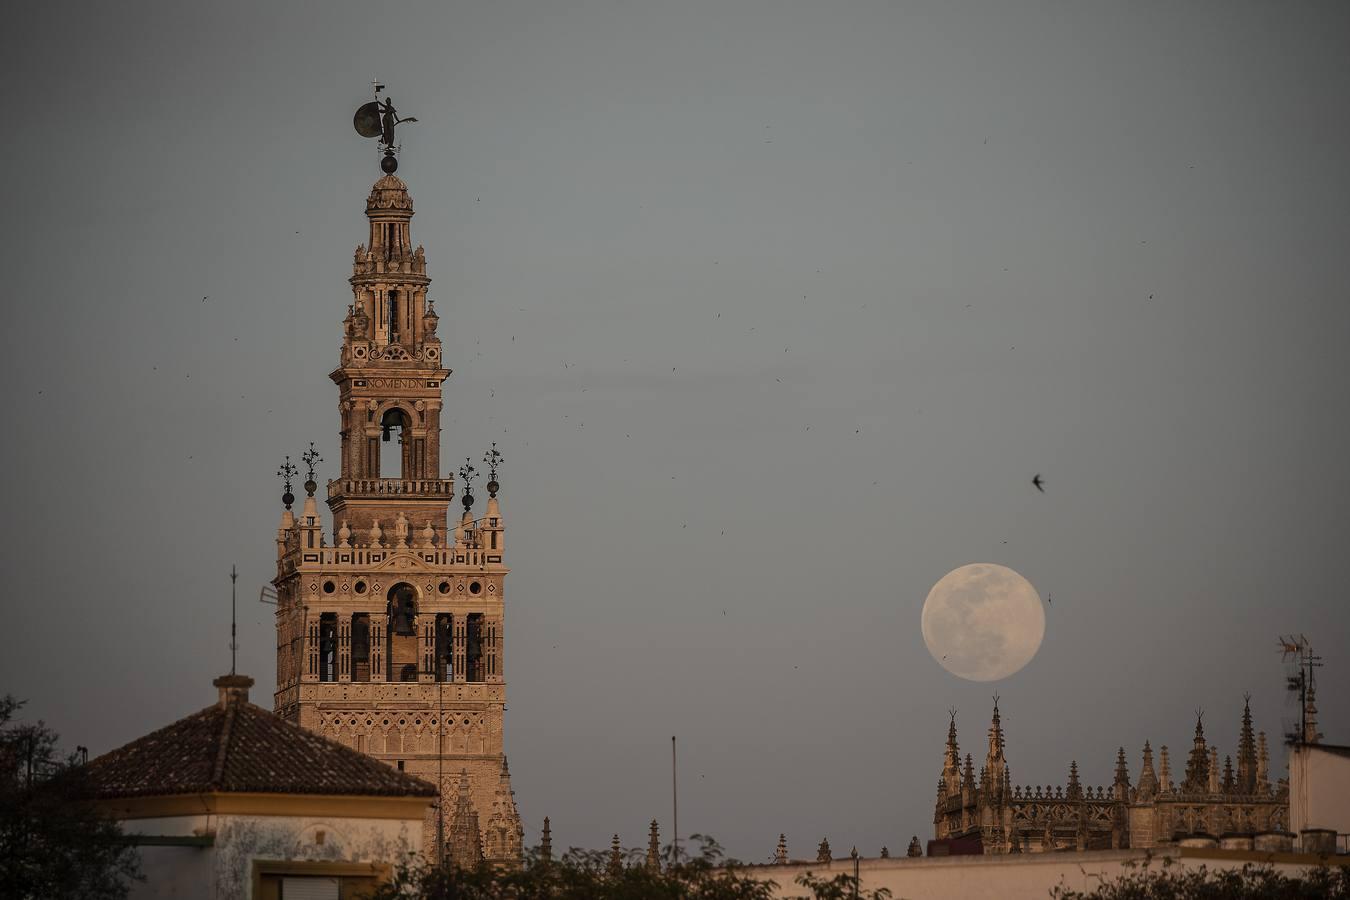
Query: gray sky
[[901, 258]]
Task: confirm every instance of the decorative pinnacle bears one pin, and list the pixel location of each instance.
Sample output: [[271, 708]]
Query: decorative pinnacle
[[467, 473], [310, 457], [492, 459], [286, 473]]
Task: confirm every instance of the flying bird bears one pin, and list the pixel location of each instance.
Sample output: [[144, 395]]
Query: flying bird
[[1039, 483]]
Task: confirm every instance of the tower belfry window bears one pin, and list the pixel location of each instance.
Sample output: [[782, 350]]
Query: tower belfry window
[[473, 648], [328, 647], [393, 314]]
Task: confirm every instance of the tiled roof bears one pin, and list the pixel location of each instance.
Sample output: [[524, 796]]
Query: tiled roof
[[239, 747]]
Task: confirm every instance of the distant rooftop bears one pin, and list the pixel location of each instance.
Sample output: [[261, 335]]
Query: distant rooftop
[[234, 746]]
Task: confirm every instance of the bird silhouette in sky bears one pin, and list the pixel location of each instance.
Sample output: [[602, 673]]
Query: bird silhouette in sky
[[1039, 483]]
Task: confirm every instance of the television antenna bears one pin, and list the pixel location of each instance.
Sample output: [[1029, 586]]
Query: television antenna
[[1302, 683]]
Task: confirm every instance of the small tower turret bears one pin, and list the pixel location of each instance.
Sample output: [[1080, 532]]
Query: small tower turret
[[1197, 763], [1148, 781], [654, 847], [1074, 790], [546, 842], [1120, 788], [1246, 761]]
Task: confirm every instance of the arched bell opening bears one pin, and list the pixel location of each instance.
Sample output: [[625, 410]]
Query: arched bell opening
[[395, 421], [401, 635], [328, 645]]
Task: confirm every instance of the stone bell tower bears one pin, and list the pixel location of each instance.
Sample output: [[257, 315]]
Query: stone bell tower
[[390, 623]]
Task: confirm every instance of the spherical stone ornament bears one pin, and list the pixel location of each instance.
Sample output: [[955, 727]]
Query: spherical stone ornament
[[389, 165]]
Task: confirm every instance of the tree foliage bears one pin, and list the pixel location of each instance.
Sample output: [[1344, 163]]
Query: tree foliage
[[590, 875], [1251, 882], [53, 841]]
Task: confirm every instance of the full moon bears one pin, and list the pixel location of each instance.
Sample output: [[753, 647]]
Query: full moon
[[983, 622]]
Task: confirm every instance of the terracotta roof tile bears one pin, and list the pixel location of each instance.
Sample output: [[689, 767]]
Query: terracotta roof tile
[[244, 748]]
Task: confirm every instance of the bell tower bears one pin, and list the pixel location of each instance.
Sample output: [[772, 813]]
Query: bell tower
[[390, 622]]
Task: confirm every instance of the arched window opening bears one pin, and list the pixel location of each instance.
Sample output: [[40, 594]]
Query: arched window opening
[[473, 651], [395, 465], [401, 634], [393, 317], [445, 654], [328, 647], [408, 672], [361, 647]]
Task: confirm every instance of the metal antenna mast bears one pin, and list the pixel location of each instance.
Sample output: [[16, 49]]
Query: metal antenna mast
[[674, 800], [234, 644]]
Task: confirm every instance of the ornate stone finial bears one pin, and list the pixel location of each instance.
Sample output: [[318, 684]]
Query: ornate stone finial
[[375, 534], [1197, 762], [1075, 788], [344, 536], [546, 843], [286, 473], [311, 457], [492, 459], [401, 532], [505, 835], [780, 853], [968, 776], [654, 847], [615, 866], [1229, 783], [823, 851], [1120, 788], [1148, 780], [467, 473], [1246, 761], [1165, 785], [429, 536], [466, 841], [1213, 770]]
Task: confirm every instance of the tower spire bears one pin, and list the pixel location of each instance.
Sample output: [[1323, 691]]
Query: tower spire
[[383, 598], [1246, 763], [546, 843], [1121, 786], [951, 760], [1148, 779], [654, 847], [1197, 763], [1074, 791], [995, 764]]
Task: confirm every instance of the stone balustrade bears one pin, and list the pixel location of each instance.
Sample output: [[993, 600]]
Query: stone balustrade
[[391, 487]]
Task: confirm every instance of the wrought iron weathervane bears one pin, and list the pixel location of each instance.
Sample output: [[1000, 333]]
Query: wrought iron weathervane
[[377, 119]]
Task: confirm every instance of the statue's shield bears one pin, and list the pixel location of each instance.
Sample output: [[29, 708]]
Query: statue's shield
[[367, 120]]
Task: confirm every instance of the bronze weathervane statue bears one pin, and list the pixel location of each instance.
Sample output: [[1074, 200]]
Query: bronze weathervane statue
[[377, 119]]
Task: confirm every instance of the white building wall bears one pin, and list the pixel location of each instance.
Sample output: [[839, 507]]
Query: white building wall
[[1319, 789], [224, 871], [996, 877]]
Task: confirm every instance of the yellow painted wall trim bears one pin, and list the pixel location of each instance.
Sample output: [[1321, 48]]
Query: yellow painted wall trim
[[246, 804]]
